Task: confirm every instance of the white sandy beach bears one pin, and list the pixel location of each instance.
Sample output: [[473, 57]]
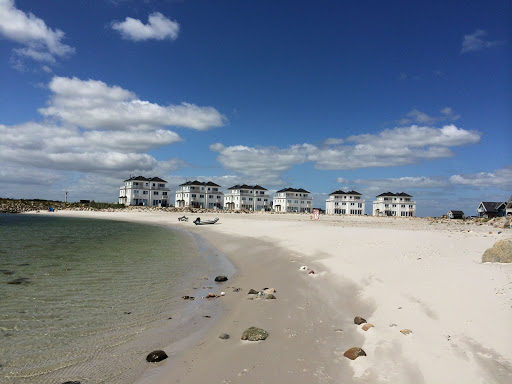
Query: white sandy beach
[[397, 273]]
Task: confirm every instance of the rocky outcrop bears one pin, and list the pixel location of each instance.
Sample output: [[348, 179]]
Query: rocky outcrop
[[501, 252]]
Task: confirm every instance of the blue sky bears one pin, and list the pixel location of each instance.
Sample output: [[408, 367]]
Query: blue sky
[[371, 96]]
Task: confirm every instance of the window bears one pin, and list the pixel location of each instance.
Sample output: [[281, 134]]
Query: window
[[161, 185], [360, 205], [164, 193], [193, 195], [201, 196], [403, 205], [154, 184], [155, 193], [210, 196], [144, 192], [259, 199]]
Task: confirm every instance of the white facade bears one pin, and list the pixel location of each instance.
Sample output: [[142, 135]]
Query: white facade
[[139, 190], [249, 197], [197, 194], [293, 200], [394, 204], [345, 203]]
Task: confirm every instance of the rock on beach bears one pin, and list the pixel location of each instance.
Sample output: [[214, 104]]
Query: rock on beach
[[501, 252], [156, 356], [353, 353], [220, 279], [359, 320], [254, 334]]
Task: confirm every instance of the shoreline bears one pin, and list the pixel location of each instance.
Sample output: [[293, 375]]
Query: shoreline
[[397, 273]]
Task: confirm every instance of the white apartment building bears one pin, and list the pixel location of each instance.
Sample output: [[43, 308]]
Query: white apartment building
[[139, 190], [197, 194], [293, 200], [394, 204], [249, 197], [344, 203]]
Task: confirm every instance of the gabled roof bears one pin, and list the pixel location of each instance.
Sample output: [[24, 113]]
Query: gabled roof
[[301, 190], [196, 182], [403, 194], [141, 178], [245, 186], [456, 212], [340, 192], [492, 206], [158, 179]]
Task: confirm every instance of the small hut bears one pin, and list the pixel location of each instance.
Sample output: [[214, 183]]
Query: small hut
[[455, 215]]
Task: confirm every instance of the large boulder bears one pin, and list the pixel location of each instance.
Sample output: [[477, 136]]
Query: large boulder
[[254, 334], [501, 252], [220, 279]]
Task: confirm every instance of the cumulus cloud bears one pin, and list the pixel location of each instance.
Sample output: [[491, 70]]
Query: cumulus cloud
[[263, 165], [92, 104], [500, 178], [391, 147], [41, 43], [477, 41], [95, 132], [158, 28], [419, 117], [333, 141]]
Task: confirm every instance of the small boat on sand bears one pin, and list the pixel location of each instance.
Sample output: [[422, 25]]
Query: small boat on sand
[[199, 222]]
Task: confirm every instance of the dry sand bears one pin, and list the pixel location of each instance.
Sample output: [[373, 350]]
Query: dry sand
[[397, 273]]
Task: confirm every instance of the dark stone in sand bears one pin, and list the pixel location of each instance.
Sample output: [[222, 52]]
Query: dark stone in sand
[[237, 289], [252, 292], [359, 320], [207, 316], [254, 334], [7, 272], [127, 313], [224, 336], [354, 353], [23, 264], [156, 356], [219, 279], [21, 280], [270, 296], [71, 382]]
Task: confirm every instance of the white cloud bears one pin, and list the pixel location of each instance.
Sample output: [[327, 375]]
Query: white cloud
[[500, 178], [88, 136], [477, 42], [392, 147], [404, 182], [333, 141], [419, 117], [342, 180], [93, 104], [158, 27], [41, 42], [262, 165]]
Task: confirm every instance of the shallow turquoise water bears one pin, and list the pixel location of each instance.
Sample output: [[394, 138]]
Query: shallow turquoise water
[[89, 289]]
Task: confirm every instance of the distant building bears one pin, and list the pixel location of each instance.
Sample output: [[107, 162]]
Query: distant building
[[344, 203], [293, 200], [140, 190], [508, 208], [490, 209], [394, 204], [198, 194], [455, 214], [248, 197]]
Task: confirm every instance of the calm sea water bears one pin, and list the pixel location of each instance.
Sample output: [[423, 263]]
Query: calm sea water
[[77, 296]]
